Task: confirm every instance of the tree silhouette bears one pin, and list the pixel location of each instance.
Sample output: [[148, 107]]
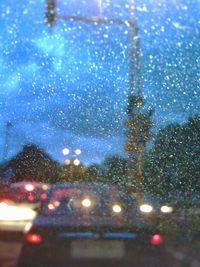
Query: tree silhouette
[[94, 173], [115, 170], [173, 164], [33, 164], [73, 173]]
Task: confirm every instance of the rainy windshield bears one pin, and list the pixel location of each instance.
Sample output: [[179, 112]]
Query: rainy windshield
[[107, 92]]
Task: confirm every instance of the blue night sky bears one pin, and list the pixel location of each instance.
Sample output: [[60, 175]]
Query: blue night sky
[[67, 86]]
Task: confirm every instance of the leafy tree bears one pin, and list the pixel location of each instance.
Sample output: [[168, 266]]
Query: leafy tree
[[33, 164], [72, 173], [116, 169], [173, 164], [94, 173]]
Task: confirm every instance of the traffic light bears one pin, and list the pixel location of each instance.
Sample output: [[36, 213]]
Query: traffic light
[[50, 15]]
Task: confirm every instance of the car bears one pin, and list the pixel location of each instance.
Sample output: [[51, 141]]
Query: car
[[18, 206], [28, 192], [83, 224]]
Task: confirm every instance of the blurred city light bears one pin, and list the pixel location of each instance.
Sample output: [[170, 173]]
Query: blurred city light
[[157, 239], [56, 203], [51, 206], [43, 196], [28, 227], [11, 212], [29, 187], [34, 238], [76, 162], [146, 208], [86, 202], [45, 187], [77, 151], [31, 197], [65, 151], [166, 209], [67, 162], [116, 208]]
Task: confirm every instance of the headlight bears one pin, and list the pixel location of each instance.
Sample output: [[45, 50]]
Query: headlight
[[146, 208], [15, 213], [166, 209]]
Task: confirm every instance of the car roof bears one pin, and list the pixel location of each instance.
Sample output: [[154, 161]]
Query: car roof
[[23, 183], [87, 185]]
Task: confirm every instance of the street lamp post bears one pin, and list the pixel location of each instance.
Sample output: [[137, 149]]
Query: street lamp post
[[134, 49], [134, 40]]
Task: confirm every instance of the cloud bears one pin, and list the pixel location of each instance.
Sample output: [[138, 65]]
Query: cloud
[[52, 45]]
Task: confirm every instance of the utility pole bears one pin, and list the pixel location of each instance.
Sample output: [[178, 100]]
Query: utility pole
[[8, 126], [139, 122], [135, 100]]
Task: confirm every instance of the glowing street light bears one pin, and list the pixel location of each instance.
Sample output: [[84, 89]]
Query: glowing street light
[[67, 162], [76, 162], [77, 151], [65, 151]]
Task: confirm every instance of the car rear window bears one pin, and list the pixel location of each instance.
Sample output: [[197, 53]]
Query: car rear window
[[80, 202]]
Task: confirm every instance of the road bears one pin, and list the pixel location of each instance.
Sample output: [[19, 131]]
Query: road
[[182, 257], [9, 252]]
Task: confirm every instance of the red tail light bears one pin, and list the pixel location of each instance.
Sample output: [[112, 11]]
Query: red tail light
[[156, 239], [31, 197], [34, 238], [43, 196]]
